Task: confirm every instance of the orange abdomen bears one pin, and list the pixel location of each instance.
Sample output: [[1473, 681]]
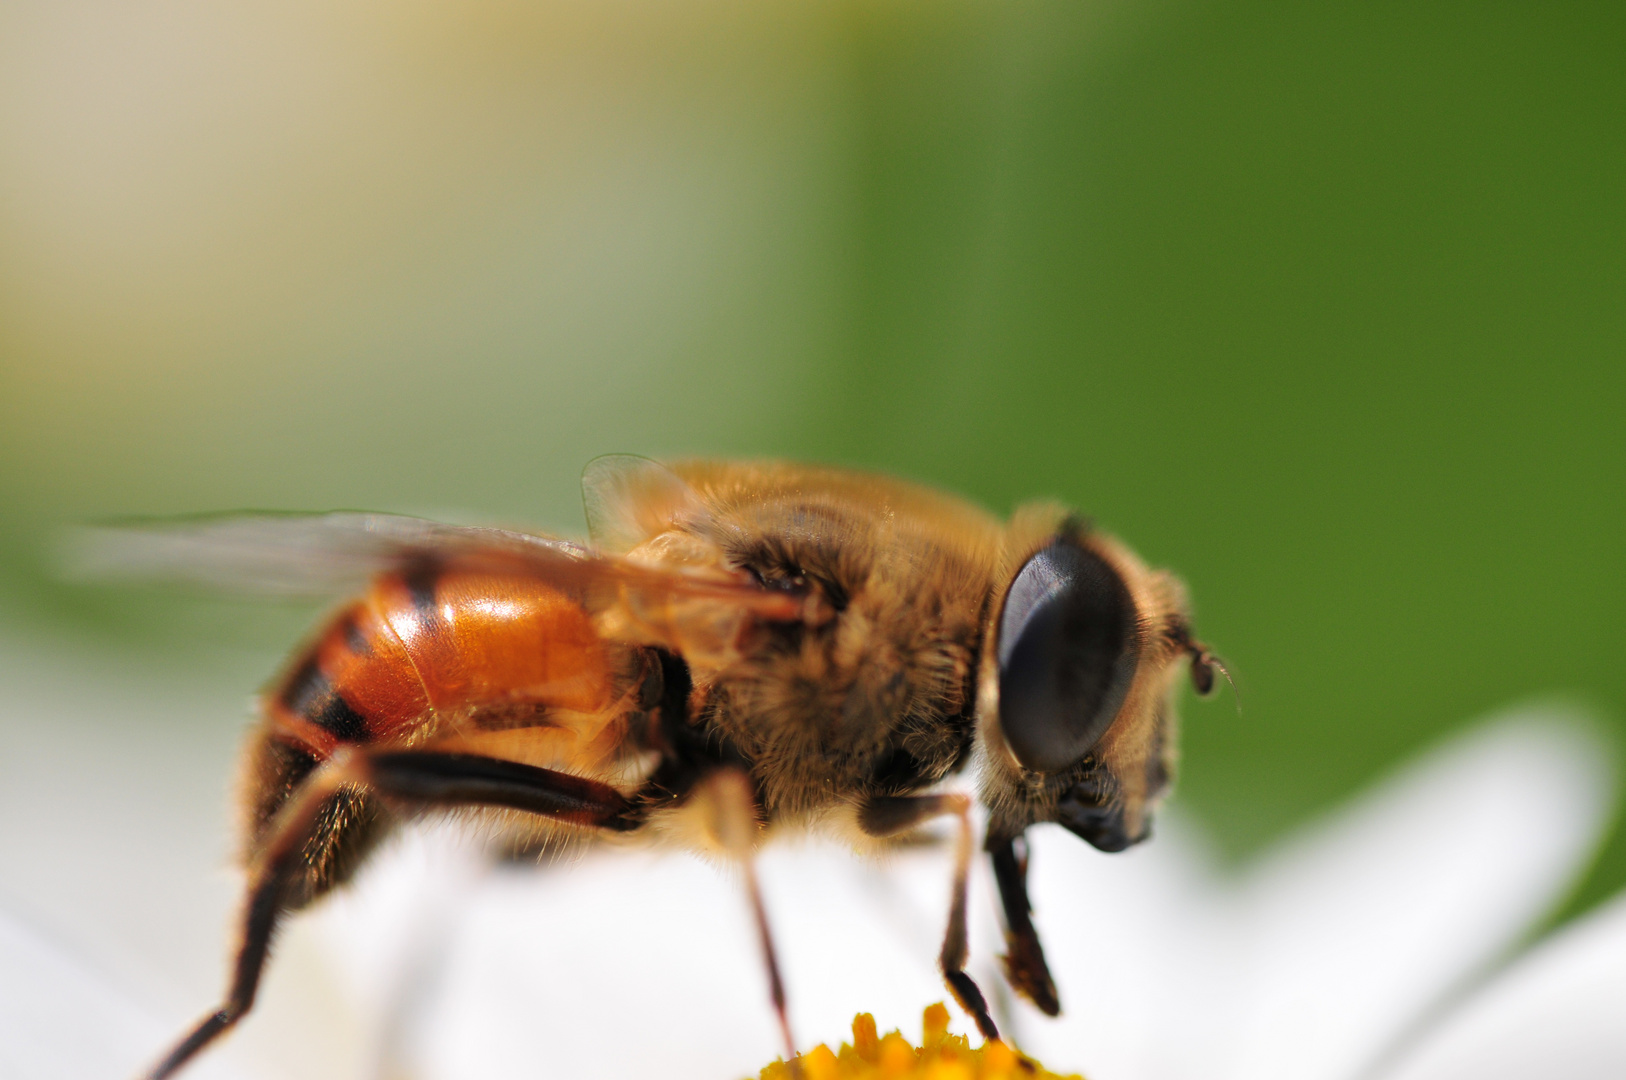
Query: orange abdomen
[[440, 644]]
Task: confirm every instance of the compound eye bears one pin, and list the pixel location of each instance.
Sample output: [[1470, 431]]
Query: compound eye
[[1067, 653]]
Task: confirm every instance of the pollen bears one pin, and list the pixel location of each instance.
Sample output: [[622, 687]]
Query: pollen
[[940, 1056]]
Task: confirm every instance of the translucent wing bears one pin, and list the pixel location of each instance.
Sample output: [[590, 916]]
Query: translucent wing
[[323, 554], [288, 554], [628, 499]]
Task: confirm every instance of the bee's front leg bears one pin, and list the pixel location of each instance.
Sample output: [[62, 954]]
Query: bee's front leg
[[889, 815], [1025, 965]]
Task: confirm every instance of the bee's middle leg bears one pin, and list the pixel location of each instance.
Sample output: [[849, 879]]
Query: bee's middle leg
[[732, 820], [889, 815]]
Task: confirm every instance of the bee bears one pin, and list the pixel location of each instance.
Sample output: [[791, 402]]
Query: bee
[[743, 647]]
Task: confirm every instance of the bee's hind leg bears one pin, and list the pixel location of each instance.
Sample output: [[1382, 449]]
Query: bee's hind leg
[[731, 808], [414, 777], [889, 815]]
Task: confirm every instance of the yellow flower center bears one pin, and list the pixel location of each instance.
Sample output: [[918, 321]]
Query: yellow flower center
[[940, 1056]]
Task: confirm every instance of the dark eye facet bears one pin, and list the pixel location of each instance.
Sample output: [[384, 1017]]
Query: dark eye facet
[[1067, 653]]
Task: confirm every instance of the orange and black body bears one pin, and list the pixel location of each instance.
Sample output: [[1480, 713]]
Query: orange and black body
[[745, 645], [505, 665]]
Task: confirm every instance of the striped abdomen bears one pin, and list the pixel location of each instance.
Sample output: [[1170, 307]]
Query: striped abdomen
[[504, 664]]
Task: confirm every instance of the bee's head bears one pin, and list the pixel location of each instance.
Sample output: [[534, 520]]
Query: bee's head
[[1075, 698]]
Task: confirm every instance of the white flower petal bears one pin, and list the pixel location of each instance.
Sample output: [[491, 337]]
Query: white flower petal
[[630, 961], [859, 935], [61, 1021], [1128, 937], [1560, 1011], [1314, 961], [602, 969], [1357, 926]]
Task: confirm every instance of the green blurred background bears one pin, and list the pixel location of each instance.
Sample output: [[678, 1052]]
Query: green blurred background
[[1322, 305]]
